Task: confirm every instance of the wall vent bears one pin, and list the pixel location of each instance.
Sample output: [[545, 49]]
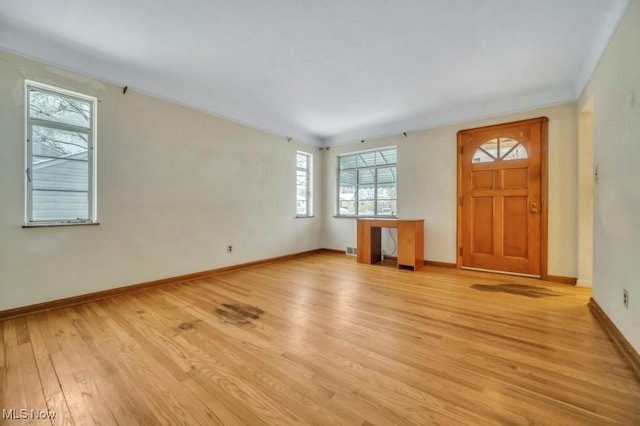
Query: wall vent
[[351, 251]]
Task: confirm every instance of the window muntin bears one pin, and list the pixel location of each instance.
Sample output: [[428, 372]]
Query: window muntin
[[505, 149], [367, 183], [303, 184], [60, 160]]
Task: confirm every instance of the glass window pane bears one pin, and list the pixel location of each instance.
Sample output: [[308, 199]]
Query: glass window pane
[[491, 147], [386, 207], [347, 189], [301, 177], [60, 174], [366, 192], [301, 193], [387, 156], [56, 205], [301, 208], [50, 142], [301, 161], [366, 159], [387, 192], [369, 183], [386, 175], [59, 143], [365, 208], [348, 162], [348, 177], [519, 153], [347, 207], [506, 144], [487, 153], [481, 157], [59, 108], [366, 176]]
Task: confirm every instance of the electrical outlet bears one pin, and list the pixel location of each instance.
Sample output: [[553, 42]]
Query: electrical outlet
[[229, 248], [625, 298]]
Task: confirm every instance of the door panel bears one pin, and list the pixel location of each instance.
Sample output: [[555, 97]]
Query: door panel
[[516, 178], [483, 179], [482, 223], [500, 213], [515, 220]]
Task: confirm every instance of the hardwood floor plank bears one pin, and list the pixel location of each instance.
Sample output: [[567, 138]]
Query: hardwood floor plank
[[24, 392], [323, 340], [306, 402], [76, 375], [22, 332], [118, 386], [14, 397], [143, 363], [54, 397], [224, 359]]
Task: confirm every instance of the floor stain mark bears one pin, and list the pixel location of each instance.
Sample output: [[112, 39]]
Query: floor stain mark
[[252, 312], [517, 289], [238, 313], [188, 325]]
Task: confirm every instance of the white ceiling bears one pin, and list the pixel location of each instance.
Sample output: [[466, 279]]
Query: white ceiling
[[326, 71]]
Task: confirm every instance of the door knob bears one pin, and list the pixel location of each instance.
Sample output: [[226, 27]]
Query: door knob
[[534, 208]]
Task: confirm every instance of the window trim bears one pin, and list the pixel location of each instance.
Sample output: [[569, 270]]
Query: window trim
[[91, 156], [356, 216], [309, 172]]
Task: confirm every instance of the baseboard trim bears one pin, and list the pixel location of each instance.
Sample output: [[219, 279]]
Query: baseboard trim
[[619, 341], [440, 264], [560, 279], [99, 295], [328, 250], [426, 262]]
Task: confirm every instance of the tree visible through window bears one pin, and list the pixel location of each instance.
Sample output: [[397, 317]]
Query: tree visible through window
[[60, 159], [367, 183]]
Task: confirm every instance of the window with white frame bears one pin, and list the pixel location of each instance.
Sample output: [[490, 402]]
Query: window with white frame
[[303, 184], [60, 156], [367, 183]]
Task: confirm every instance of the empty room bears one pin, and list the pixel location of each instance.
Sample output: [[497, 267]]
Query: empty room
[[320, 212]]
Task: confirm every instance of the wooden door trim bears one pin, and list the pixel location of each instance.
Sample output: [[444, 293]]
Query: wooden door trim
[[544, 208], [544, 211]]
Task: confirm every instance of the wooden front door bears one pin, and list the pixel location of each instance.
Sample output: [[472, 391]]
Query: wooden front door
[[502, 197]]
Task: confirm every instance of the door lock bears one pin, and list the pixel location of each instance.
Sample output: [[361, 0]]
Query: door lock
[[534, 208]]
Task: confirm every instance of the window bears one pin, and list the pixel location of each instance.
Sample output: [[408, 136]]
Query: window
[[367, 183], [303, 184], [60, 160], [505, 149]]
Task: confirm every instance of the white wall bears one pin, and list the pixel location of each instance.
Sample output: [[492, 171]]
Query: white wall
[[175, 186], [615, 90], [427, 186], [585, 197]]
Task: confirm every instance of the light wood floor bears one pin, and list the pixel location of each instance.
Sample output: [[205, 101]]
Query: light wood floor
[[338, 343]]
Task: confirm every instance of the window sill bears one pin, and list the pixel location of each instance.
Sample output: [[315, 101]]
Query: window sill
[[53, 225], [305, 217]]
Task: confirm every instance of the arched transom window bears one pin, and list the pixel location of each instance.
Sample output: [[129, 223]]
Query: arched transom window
[[500, 149]]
